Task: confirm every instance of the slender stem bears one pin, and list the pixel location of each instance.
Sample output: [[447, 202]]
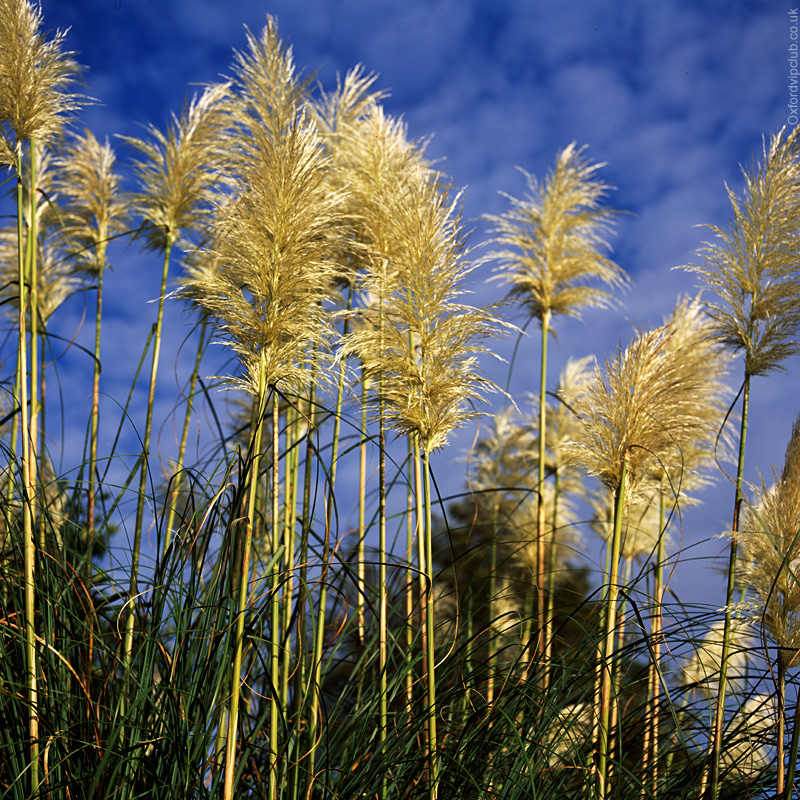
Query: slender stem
[[551, 569], [95, 421], [322, 600], [275, 604], [29, 555], [427, 538], [289, 510], [726, 636], [781, 732], [793, 752], [412, 533], [361, 576], [607, 682], [383, 689], [240, 573], [32, 280], [652, 733], [492, 643], [541, 576], [301, 688], [177, 481], [137, 531]]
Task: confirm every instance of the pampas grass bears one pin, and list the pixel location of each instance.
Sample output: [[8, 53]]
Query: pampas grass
[[552, 247], [310, 618], [752, 269]]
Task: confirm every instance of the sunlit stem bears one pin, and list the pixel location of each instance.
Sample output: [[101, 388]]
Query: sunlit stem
[[492, 643], [275, 604], [241, 573], [793, 752], [302, 671], [29, 555], [607, 687], [726, 636], [430, 648], [95, 420], [383, 689], [32, 281], [361, 576], [322, 600], [177, 480], [541, 576], [289, 511], [551, 571], [145, 462], [651, 731], [412, 536]]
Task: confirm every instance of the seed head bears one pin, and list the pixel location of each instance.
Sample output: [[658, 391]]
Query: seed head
[[769, 541], [552, 242], [36, 78], [753, 266]]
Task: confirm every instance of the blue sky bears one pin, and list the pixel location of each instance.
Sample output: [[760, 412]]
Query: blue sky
[[673, 96]]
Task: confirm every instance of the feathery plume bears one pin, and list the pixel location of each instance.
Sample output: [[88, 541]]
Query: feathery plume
[[36, 76], [747, 746], [652, 405], [702, 668], [427, 352], [180, 169], [754, 266], [273, 241], [552, 241], [269, 93], [95, 209], [769, 542]]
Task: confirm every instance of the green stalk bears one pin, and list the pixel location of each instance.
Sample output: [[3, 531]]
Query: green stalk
[[607, 666], [289, 509], [361, 581], [275, 599], [137, 531], [541, 577], [187, 419], [780, 755], [301, 672], [31, 269], [551, 568], [383, 689], [319, 639], [42, 414], [651, 732], [29, 554], [793, 752], [243, 570], [492, 644], [716, 750], [430, 644], [95, 420], [411, 530]]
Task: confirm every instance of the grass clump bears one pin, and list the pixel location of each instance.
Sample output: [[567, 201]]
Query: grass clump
[[297, 613]]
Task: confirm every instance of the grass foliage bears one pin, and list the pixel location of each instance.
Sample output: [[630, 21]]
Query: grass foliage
[[228, 630]]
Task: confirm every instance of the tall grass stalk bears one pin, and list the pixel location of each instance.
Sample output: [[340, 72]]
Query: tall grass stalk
[[240, 575], [730, 589], [432, 711], [94, 211], [144, 472], [552, 245], [31, 669], [32, 279], [608, 684], [752, 267], [177, 479]]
